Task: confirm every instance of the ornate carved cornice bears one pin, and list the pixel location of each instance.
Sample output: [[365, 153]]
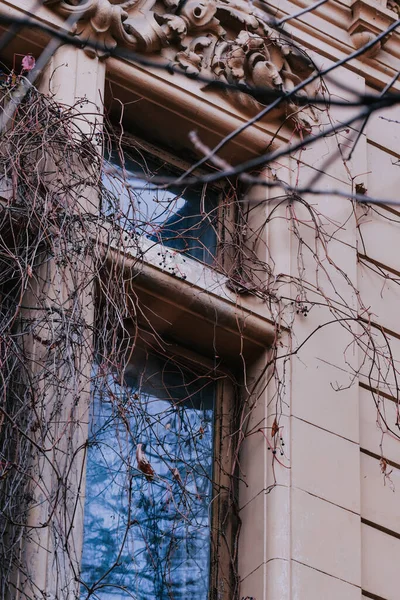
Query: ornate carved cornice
[[227, 40], [370, 18], [100, 23]]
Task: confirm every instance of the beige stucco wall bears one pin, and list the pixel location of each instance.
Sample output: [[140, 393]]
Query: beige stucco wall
[[379, 235], [331, 526]]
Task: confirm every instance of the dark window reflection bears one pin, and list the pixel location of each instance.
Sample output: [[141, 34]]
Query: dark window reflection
[[149, 539], [183, 219]]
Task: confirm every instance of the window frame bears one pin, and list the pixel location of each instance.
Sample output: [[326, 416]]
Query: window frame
[[221, 543], [241, 318], [223, 563], [226, 214], [226, 400]]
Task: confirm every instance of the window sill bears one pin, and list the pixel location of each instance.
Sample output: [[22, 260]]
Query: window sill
[[180, 295]]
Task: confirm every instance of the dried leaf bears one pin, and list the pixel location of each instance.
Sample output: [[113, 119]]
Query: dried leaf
[[176, 475], [143, 464], [275, 428], [361, 189], [28, 63]]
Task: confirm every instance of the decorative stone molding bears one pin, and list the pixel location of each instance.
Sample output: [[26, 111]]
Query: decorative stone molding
[[370, 18], [225, 40]]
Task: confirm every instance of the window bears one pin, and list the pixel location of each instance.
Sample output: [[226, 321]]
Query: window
[[147, 532], [185, 219], [159, 454]]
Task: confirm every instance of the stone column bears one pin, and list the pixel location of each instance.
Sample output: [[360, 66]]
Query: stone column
[[305, 540], [58, 336]]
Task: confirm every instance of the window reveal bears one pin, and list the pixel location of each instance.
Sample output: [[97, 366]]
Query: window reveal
[[148, 537], [182, 219]]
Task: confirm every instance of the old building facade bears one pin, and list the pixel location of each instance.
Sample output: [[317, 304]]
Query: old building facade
[[202, 399]]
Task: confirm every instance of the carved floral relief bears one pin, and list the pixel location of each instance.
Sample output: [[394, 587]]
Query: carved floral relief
[[227, 40]]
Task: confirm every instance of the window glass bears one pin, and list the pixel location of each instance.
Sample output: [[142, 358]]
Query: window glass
[[184, 219], [147, 536]]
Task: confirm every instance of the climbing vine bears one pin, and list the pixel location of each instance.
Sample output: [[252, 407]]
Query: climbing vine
[[96, 396]]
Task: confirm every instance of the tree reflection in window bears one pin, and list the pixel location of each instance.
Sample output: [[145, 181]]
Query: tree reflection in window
[[149, 540], [182, 219]]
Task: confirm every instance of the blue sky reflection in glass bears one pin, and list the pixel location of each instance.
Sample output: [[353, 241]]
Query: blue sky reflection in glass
[[184, 219], [150, 539]]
